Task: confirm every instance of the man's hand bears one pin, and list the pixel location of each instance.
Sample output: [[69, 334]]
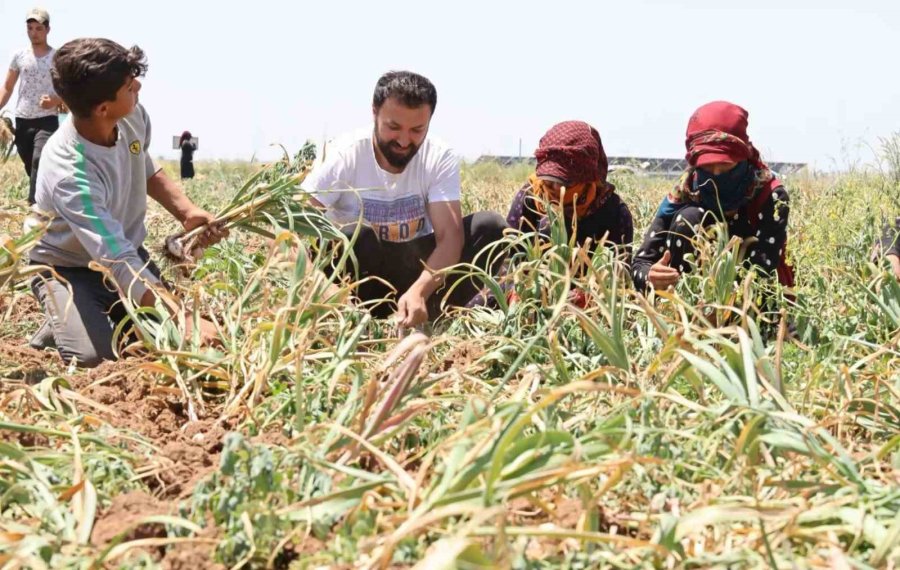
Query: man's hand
[[895, 264], [412, 309], [446, 219], [212, 235], [662, 276], [49, 102]]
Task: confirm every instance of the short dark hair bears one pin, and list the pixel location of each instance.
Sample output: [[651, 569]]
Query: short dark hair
[[89, 71], [411, 89]]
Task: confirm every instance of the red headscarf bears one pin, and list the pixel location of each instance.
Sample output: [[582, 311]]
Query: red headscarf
[[571, 152], [717, 132]]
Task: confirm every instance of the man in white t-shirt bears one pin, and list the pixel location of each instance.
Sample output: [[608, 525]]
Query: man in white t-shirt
[[408, 197], [36, 108]]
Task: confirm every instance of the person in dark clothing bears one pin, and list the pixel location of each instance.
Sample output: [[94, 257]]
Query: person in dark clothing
[[400, 264], [889, 246], [726, 181], [572, 169], [187, 155]]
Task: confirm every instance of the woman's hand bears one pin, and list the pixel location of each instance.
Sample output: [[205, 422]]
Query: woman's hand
[[661, 276]]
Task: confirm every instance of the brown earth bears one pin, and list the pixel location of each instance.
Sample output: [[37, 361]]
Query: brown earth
[[461, 356], [193, 556], [130, 399], [187, 451], [21, 310], [124, 513], [566, 512], [142, 406], [18, 361]]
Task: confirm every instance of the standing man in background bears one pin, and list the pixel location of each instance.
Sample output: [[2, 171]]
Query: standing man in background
[[36, 108]]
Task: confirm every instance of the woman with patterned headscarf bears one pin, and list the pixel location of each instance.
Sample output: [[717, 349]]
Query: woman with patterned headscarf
[[725, 181], [571, 170]]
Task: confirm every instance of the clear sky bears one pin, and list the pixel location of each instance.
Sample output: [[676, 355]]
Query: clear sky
[[819, 78]]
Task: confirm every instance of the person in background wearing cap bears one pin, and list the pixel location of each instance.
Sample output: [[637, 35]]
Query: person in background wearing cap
[[571, 169], [36, 109], [725, 181]]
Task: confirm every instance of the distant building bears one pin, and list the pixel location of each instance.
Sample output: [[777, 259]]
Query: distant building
[[666, 167]]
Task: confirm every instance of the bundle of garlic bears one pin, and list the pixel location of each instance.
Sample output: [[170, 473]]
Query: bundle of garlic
[[260, 207]]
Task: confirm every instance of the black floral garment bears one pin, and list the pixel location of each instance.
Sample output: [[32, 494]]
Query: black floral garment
[[674, 231]]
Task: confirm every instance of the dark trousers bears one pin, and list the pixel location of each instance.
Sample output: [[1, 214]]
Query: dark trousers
[[187, 168], [82, 320], [31, 136], [401, 263]]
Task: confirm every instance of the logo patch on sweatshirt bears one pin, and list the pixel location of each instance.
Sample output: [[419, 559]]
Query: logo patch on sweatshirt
[[135, 147]]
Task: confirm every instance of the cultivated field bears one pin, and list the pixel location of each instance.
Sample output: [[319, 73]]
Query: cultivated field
[[686, 430]]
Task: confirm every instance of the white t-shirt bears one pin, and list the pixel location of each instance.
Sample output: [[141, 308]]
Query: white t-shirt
[[393, 204], [34, 81]]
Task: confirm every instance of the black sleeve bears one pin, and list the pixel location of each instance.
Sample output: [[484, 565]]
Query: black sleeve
[[627, 225], [623, 234], [890, 239], [771, 232], [514, 217], [615, 217], [522, 215], [650, 251]]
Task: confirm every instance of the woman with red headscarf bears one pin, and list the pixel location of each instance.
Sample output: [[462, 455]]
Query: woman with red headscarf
[[571, 169], [725, 181]]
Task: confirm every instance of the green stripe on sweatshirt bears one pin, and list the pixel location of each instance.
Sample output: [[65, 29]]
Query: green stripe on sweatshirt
[[84, 192]]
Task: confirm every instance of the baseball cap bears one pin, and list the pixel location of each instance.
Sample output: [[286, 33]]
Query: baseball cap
[[39, 15]]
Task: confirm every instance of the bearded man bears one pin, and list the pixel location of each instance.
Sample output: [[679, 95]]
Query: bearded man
[[409, 200]]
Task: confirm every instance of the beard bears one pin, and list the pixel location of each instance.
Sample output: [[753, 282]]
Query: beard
[[394, 154]]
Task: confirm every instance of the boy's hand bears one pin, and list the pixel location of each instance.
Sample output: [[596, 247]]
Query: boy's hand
[[209, 335], [212, 235], [895, 264]]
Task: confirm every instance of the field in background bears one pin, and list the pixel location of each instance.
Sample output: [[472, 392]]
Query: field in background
[[633, 432]]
